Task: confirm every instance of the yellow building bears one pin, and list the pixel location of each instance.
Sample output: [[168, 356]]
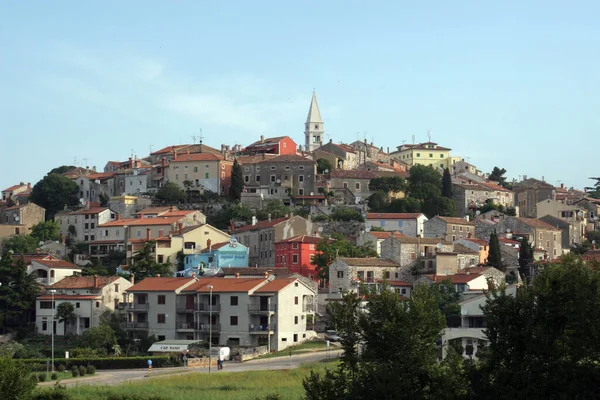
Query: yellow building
[[428, 154], [205, 171]]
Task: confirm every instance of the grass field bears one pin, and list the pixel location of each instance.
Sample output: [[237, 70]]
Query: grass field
[[306, 347], [222, 386]]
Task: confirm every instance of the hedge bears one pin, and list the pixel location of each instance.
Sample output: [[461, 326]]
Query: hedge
[[105, 363]]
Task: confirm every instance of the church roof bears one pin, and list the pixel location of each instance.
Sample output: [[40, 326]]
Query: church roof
[[314, 115]]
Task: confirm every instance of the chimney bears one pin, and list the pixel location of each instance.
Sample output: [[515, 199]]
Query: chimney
[[266, 274], [562, 185], [232, 225], [117, 216], [132, 278], [330, 140], [28, 185], [254, 220], [148, 233], [138, 163], [130, 163], [94, 168], [237, 274], [95, 280], [262, 138], [209, 244], [269, 217], [180, 228], [22, 183]]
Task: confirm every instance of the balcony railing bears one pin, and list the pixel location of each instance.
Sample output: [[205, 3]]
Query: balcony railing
[[184, 307], [262, 328], [137, 325], [45, 281], [207, 328], [183, 326], [206, 307], [261, 308], [137, 307]]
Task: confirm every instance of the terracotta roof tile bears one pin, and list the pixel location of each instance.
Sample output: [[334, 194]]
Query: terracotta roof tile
[[395, 283], [255, 271], [10, 189], [169, 149], [416, 240], [267, 141], [260, 225], [384, 235], [191, 157], [83, 282], [69, 297], [221, 285], [289, 158], [160, 284], [393, 215], [254, 159], [536, 223], [456, 221], [480, 242], [91, 210], [57, 264], [303, 239], [276, 285], [142, 221]]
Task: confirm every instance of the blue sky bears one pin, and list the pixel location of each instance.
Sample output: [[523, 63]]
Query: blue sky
[[503, 83]]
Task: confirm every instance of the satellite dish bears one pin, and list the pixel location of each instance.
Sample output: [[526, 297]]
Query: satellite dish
[[17, 218], [313, 193], [41, 243], [82, 201], [278, 180], [438, 246], [463, 311], [270, 278], [477, 212], [97, 181], [320, 229], [508, 231]]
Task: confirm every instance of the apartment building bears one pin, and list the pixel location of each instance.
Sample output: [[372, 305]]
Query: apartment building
[[409, 224], [80, 225], [448, 228], [234, 311]]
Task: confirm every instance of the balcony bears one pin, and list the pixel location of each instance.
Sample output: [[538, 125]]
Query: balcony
[[261, 309], [45, 281], [137, 325], [206, 308], [206, 328], [137, 307], [185, 326], [185, 308], [262, 329]]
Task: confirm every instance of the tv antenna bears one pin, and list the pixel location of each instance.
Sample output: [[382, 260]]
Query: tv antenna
[[194, 139], [200, 137], [429, 134], [150, 146]]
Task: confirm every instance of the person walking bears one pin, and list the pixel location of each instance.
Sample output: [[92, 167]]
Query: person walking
[[219, 364]]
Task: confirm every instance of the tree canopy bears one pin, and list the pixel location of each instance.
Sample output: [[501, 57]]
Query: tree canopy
[[17, 293], [447, 184], [170, 193], [328, 249], [494, 255], [275, 207], [54, 192], [594, 191], [48, 230], [20, 244], [237, 181], [144, 264], [388, 184], [323, 165], [497, 175]]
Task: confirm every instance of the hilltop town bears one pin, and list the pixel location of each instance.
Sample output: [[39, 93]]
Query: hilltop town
[[246, 244]]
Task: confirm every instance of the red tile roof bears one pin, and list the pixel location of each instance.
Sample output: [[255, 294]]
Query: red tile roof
[[142, 221], [221, 285], [106, 241], [160, 284], [480, 242], [169, 149], [100, 176], [536, 223], [28, 257], [266, 141], [157, 210], [69, 297], [456, 279], [191, 157], [57, 264], [393, 215], [10, 189], [91, 210], [275, 286], [83, 282], [384, 235], [302, 239], [260, 225], [508, 241], [180, 213], [456, 221], [254, 159], [395, 283]]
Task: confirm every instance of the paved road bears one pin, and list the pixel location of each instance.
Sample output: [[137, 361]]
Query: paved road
[[115, 377]]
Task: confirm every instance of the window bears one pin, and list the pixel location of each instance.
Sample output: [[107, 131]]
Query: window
[[97, 304], [300, 178], [196, 169], [547, 244], [301, 167], [554, 236], [430, 155], [87, 226], [453, 238], [44, 325], [272, 168], [345, 185], [296, 320], [301, 192], [92, 225], [296, 337], [294, 258], [387, 274], [161, 337], [233, 301], [541, 237], [86, 323], [441, 156], [77, 305], [46, 305], [453, 228], [460, 228], [418, 154], [85, 238], [206, 175], [257, 178], [161, 318], [403, 291], [357, 185], [296, 300], [139, 233], [233, 320], [273, 178], [340, 274], [246, 178], [162, 299], [176, 177]]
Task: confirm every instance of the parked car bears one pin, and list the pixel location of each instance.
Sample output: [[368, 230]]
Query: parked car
[[332, 336]]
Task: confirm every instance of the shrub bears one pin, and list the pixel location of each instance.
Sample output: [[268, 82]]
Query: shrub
[[33, 378], [61, 368], [54, 376], [131, 396], [320, 218], [82, 370], [42, 377], [104, 362], [75, 372], [58, 392], [90, 370]]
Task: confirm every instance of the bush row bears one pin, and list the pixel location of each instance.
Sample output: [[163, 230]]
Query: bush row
[[103, 363]]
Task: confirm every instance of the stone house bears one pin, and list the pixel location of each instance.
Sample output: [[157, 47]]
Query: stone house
[[479, 245], [90, 296], [11, 192], [350, 187], [574, 215], [275, 145], [80, 225], [375, 238], [260, 237], [409, 224], [340, 156], [448, 228], [23, 215], [206, 171], [346, 274], [540, 234], [369, 152], [471, 196], [410, 251], [528, 193]]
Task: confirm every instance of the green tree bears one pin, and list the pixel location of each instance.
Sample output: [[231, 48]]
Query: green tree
[[328, 249], [594, 191], [405, 205], [447, 298], [447, 184], [48, 230], [377, 229], [101, 337], [388, 184], [65, 313], [525, 256], [494, 254], [344, 213], [54, 192], [187, 184], [237, 181], [424, 182], [63, 169], [17, 293], [399, 352], [544, 342], [15, 380], [439, 205], [20, 244], [96, 268], [170, 193], [323, 165], [497, 175], [144, 264], [104, 199], [378, 201], [275, 207]]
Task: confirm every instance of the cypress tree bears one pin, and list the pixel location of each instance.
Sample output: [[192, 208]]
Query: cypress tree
[[447, 184], [237, 181], [494, 256]]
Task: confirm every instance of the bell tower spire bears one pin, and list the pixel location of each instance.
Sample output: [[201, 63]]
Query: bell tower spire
[[314, 127]]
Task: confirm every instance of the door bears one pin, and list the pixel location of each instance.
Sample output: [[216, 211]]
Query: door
[[264, 303], [189, 302]]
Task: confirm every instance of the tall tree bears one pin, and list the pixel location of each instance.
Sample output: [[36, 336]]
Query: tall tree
[[20, 244], [545, 340], [497, 175], [424, 182], [447, 184], [144, 263], [494, 255], [525, 256], [63, 169], [15, 379], [237, 181], [275, 208], [388, 184], [65, 313], [594, 191], [170, 193], [323, 165], [187, 184], [54, 192], [48, 230], [328, 250], [17, 293]]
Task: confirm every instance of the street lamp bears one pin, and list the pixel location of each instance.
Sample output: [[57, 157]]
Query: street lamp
[[52, 291], [210, 287]]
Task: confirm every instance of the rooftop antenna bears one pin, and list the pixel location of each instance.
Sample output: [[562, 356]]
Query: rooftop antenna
[[75, 161], [84, 161], [194, 139], [200, 137], [429, 134], [131, 153], [150, 146], [413, 138]]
